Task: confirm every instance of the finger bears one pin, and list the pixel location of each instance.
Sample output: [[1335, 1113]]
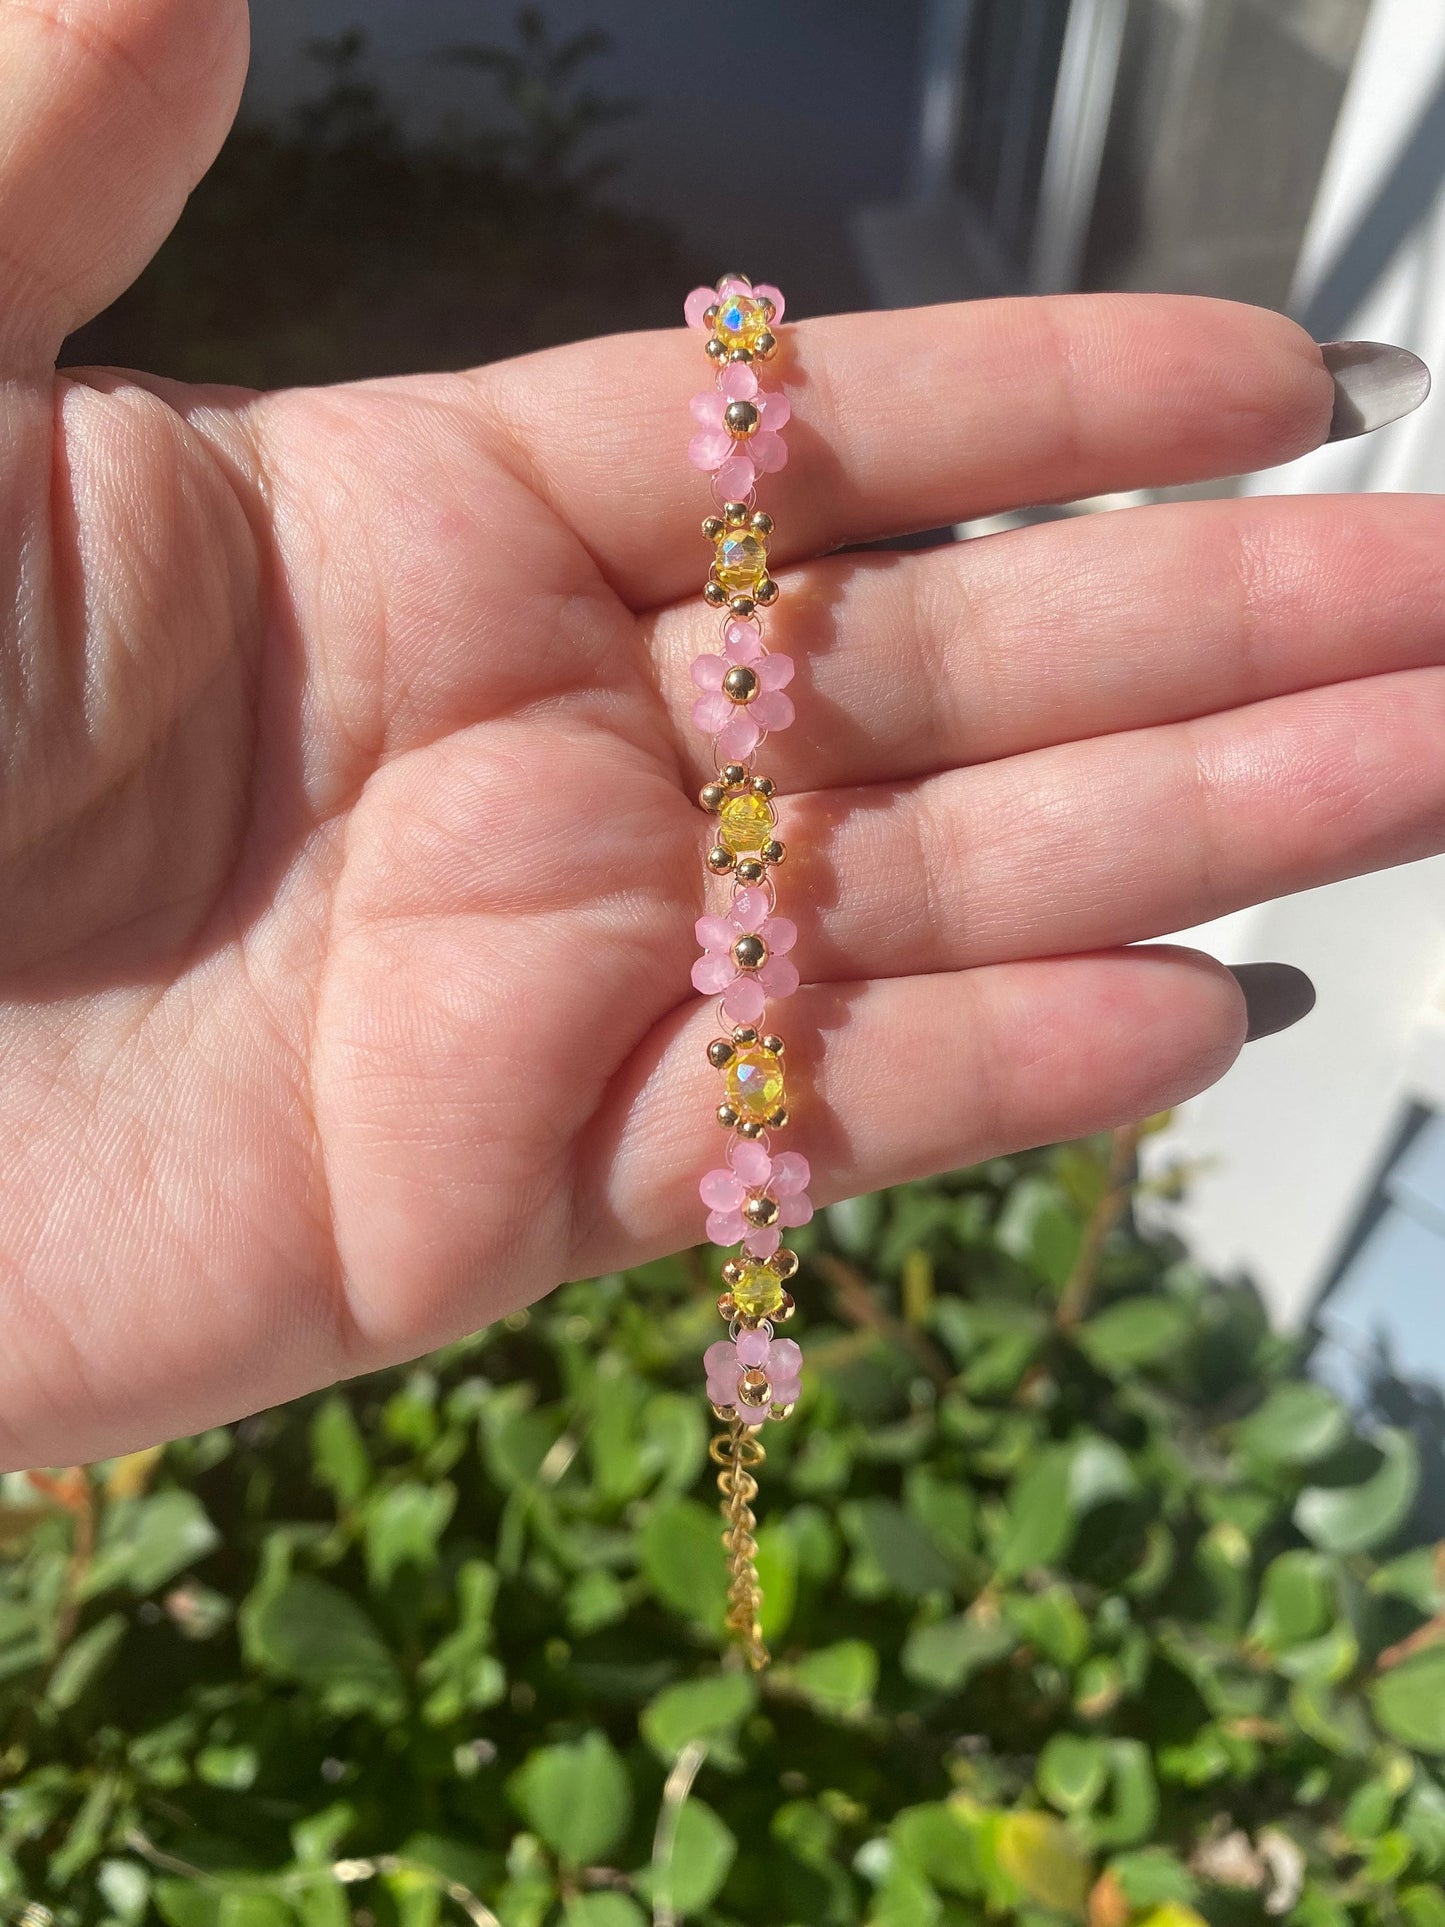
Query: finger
[[1120, 838], [111, 112], [912, 419], [908, 664], [1016, 1055]]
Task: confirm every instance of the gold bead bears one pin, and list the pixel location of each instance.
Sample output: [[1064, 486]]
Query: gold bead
[[740, 684], [712, 527], [720, 1053], [733, 774], [768, 591], [711, 313], [711, 796], [750, 1127], [763, 786], [740, 419], [784, 1262], [732, 1271], [774, 1044], [762, 522], [787, 1308], [760, 1211], [727, 1307], [726, 1116], [769, 308], [741, 605], [744, 355], [750, 953], [724, 1412], [744, 1034], [750, 870], [781, 1411], [754, 1389], [779, 1117], [715, 593], [767, 345], [772, 852], [735, 514], [719, 860], [723, 279], [715, 351]]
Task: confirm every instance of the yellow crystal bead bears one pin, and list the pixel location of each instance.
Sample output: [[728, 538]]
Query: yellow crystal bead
[[742, 560], [745, 823], [741, 321], [755, 1082], [759, 1292]]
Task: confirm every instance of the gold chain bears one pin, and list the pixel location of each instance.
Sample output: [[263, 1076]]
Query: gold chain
[[735, 1452]]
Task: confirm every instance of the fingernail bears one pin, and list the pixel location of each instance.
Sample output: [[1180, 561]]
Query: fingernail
[[1276, 995], [1375, 384]]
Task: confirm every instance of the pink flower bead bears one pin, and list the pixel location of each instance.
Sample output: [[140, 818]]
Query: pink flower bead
[[739, 727], [713, 445], [753, 1173], [727, 1360], [717, 972]]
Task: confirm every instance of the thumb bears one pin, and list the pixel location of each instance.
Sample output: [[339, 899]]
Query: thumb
[[111, 112]]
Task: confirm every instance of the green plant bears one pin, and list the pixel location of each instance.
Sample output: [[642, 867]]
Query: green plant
[[1087, 1607]]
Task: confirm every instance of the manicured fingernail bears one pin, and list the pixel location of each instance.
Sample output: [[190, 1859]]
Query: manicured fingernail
[[1374, 384], [1276, 995]]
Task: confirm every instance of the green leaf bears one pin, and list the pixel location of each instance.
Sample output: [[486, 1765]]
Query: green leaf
[[892, 1552], [1352, 1518], [1132, 1811], [1414, 1577], [777, 1562], [1052, 1623], [703, 1851], [947, 1653], [577, 1797], [306, 1630], [1297, 1424], [708, 1710], [1409, 1701], [1040, 1228], [1423, 1906], [145, 1542], [232, 1767], [1296, 1601], [840, 1680], [939, 1846], [1073, 1771], [1043, 1857], [84, 1660], [681, 1550], [338, 1451], [602, 1910], [1152, 1875], [1134, 1333], [404, 1527], [1041, 1517]]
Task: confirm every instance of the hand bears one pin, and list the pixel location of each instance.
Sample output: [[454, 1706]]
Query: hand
[[348, 842]]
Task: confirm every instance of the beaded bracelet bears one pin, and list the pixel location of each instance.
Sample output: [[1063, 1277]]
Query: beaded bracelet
[[752, 1375]]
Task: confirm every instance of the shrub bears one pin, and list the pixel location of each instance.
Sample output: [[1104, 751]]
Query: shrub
[[1075, 1585]]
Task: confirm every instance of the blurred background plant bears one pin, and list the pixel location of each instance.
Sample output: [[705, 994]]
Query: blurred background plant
[[1087, 1607], [332, 243]]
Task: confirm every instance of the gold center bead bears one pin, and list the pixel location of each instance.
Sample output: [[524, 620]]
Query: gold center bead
[[755, 1082], [745, 823], [742, 560], [759, 1292]]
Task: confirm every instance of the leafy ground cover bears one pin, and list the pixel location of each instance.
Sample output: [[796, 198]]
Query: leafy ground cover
[[1087, 1607]]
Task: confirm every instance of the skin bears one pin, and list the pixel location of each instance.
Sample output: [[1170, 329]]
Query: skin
[[348, 845]]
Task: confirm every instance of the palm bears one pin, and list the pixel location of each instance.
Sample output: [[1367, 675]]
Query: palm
[[347, 839]]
